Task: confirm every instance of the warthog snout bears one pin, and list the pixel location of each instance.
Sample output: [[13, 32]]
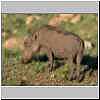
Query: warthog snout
[[26, 56]]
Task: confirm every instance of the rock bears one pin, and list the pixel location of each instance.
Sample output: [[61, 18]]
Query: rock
[[29, 19], [75, 19], [88, 45], [13, 43], [10, 43], [67, 16], [56, 20]]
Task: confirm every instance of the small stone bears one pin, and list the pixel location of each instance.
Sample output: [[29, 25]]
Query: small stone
[[24, 78], [88, 44]]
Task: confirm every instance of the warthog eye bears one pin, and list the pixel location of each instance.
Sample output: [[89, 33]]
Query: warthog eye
[[27, 42]]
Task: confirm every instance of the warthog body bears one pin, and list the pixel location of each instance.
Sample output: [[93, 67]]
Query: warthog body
[[56, 43]]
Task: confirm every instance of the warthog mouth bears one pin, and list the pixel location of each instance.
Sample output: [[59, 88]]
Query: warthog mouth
[[25, 60]]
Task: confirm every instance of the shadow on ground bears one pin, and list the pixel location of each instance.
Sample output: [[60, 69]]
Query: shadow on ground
[[91, 61]]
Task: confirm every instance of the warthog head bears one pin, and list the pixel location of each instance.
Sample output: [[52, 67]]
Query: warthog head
[[31, 46]]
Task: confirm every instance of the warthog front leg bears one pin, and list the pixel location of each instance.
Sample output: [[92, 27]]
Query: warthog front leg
[[49, 53]]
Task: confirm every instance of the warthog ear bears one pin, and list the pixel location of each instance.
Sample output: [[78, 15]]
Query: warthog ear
[[35, 35]]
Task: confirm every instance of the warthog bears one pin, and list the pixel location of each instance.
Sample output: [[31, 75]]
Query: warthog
[[55, 43]]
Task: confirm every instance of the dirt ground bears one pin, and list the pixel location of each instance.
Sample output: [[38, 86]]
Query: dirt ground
[[28, 75]]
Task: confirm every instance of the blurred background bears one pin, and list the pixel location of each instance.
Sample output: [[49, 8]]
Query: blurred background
[[15, 27]]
